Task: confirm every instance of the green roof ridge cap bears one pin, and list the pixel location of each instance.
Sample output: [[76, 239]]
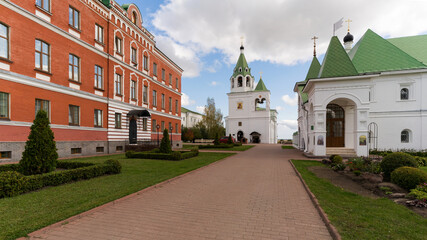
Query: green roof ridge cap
[[314, 69]]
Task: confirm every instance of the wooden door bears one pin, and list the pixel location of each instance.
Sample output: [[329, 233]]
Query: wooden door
[[335, 126]]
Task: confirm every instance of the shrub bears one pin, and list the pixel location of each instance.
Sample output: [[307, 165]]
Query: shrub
[[174, 156], [337, 159], [357, 172], [332, 156], [12, 183], [408, 177], [338, 167], [129, 153], [216, 146], [9, 167], [230, 139], [216, 140], [420, 192], [40, 154], [395, 160], [422, 161], [237, 144], [165, 144], [356, 164]]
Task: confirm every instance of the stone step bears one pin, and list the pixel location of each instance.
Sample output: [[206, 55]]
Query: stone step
[[344, 152]]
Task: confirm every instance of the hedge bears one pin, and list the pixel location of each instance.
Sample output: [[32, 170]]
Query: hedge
[[216, 146], [395, 160], [13, 183], [408, 177], [174, 156]]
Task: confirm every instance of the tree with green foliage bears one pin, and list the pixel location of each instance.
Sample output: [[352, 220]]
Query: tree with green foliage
[[40, 154], [212, 120], [230, 139], [165, 144]]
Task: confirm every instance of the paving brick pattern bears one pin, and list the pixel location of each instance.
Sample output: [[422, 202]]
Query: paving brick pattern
[[252, 195]]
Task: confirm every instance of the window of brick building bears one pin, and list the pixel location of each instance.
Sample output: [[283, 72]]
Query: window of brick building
[[176, 127], [42, 56], [145, 94], [43, 4], [118, 84], [153, 125], [163, 101], [73, 68], [144, 124], [5, 155], [163, 74], [43, 105], [76, 150], [74, 18], [119, 48], [99, 149], [4, 41], [98, 77], [176, 83], [154, 98], [74, 115], [99, 34], [4, 105], [154, 69], [170, 79], [97, 119], [134, 56], [176, 106], [118, 120], [133, 90], [145, 63], [163, 126], [170, 104]]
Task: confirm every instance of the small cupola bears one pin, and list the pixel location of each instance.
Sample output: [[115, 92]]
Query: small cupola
[[348, 39]]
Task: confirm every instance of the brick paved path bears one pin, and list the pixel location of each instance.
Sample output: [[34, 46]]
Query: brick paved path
[[252, 195]]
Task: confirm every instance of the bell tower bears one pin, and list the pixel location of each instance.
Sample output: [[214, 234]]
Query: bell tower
[[241, 80]]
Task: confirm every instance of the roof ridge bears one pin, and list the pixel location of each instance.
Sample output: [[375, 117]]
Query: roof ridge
[[336, 62]]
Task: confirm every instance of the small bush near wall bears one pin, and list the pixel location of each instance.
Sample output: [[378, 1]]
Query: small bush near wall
[[13, 183], [408, 177], [395, 160], [174, 156], [216, 146]]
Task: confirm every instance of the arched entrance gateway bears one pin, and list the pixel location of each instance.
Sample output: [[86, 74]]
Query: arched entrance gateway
[[239, 136], [335, 123]]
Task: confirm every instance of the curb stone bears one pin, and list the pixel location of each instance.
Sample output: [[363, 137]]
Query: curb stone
[[332, 230]]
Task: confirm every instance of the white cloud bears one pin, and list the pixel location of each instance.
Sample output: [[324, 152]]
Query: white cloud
[[186, 101], [286, 128], [212, 68], [200, 109], [282, 34], [291, 101], [279, 108], [213, 83]]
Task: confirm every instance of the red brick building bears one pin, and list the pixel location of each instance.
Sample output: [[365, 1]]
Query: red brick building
[[95, 69]]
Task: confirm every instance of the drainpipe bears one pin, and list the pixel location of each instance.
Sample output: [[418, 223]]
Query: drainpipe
[[306, 125]]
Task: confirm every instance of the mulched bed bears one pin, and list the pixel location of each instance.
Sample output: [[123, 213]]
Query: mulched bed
[[364, 185]]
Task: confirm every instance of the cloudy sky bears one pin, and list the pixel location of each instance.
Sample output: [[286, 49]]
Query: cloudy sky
[[203, 37]]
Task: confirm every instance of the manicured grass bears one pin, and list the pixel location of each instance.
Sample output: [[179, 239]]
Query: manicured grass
[[287, 147], [26, 213], [235, 148], [357, 217], [424, 169]]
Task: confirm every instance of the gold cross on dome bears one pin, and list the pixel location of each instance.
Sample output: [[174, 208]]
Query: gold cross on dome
[[260, 74], [348, 21], [314, 44]]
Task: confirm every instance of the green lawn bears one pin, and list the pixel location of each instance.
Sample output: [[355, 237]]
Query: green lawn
[[357, 217], [287, 147], [26, 213], [235, 148], [424, 168]]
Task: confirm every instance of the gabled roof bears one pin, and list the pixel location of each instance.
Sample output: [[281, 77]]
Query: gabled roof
[[261, 86], [241, 63], [304, 96], [314, 69], [416, 46], [106, 3], [373, 53], [336, 62], [185, 110]]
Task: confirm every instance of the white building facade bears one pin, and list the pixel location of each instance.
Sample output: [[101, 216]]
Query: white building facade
[[366, 97], [250, 116], [190, 118]]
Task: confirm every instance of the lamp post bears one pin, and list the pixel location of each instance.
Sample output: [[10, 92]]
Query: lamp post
[[158, 127], [171, 136]]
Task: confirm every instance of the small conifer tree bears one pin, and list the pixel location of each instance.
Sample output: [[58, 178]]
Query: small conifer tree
[[40, 154], [230, 140], [165, 144], [216, 141]]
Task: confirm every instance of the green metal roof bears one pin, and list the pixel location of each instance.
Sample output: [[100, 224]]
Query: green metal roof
[[373, 53], [314, 69], [184, 110], [106, 3], [126, 6], [241, 63], [416, 46], [261, 86], [336, 62], [304, 96]]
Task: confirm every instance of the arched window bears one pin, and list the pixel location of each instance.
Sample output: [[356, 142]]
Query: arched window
[[404, 94], [239, 82], [134, 17], [232, 83], [248, 81], [404, 136], [240, 69]]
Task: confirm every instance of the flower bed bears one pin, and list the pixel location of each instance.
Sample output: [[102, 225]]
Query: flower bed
[[13, 183]]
